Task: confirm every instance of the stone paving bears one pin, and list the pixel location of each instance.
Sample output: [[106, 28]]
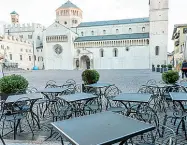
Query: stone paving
[[126, 80]]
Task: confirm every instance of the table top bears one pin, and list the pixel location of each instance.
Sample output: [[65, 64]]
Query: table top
[[31, 96], [52, 90], [99, 85], [159, 85], [133, 97], [77, 97], [101, 128], [178, 96], [184, 84]]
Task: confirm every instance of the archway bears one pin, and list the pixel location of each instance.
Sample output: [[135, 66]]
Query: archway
[[85, 62]]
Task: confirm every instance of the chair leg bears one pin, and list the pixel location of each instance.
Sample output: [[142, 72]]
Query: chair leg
[[30, 126], [1, 138]]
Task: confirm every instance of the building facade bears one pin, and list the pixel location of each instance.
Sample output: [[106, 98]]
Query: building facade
[[18, 51], [30, 32], [69, 43], [137, 43], [180, 40]]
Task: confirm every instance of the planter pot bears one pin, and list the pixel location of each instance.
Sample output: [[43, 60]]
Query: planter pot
[[161, 70], [165, 69], [153, 69], [157, 69]]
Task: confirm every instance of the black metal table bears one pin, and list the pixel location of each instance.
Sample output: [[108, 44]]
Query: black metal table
[[100, 86], [78, 101], [51, 94], [102, 128], [184, 84], [133, 101], [180, 97]]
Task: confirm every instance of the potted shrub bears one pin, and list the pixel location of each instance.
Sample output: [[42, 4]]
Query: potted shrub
[[11, 85], [170, 67], [153, 68], [165, 68], [89, 77], [162, 68], [170, 77], [158, 68]]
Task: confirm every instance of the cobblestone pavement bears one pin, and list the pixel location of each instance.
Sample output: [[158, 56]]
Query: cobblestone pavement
[[126, 80]]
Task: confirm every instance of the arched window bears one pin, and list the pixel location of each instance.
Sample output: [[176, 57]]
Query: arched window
[[143, 29], [157, 50], [117, 31], [82, 33], [130, 30], [104, 31], [65, 23], [101, 52], [115, 52], [92, 32]]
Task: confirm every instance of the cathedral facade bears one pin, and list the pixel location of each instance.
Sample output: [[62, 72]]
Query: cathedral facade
[[69, 43]]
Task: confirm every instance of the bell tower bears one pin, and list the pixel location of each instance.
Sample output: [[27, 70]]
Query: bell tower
[[14, 17], [158, 17], [69, 15]]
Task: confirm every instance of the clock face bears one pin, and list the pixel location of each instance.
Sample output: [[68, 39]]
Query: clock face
[[58, 49]]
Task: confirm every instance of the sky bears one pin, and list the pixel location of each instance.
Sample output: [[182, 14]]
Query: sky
[[43, 11]]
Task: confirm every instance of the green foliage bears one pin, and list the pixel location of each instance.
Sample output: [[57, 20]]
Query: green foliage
[[158, 65], [170, 66], [162, 66], [90, 76], [153, 65], [170, 77], [165, 66], [12, 84]]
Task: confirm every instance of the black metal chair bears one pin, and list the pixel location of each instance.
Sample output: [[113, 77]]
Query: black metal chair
[[148, 115], [151, 82], [1, 114], [114, 106], [14, 113]]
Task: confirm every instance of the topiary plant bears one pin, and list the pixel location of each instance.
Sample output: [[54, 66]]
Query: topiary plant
[[162, 66], [170, 66], [90, 76], [158, 65], [13, 84], [170, 77]]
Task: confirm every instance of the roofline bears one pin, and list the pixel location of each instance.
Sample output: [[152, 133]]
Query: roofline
[[113, 20]]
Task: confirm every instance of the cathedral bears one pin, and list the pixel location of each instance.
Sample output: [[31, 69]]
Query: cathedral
[[138, 43]]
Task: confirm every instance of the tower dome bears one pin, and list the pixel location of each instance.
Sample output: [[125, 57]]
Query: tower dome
[[69, 15]]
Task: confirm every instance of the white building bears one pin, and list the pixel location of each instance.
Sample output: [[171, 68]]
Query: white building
[[70, 44], [17, 50], [138, 43], [31, 32]]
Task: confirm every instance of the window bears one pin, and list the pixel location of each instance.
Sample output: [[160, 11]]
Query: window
[[143, 29], [37, 50], [13, 19], [38, 58], [21, 58], [10, 56], [41, 58], [104, 31], [130, 30], [92, 32], [21, 36], [38, 37], [157, 50], [26, 50], [75, 21], [21, 49], [102, 53], [30, 50], [117, 31], [115, 52], [65, 23], [30, 36], [29, 58], [82, 34], [8, 47], [41, 50], [35, 57]]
